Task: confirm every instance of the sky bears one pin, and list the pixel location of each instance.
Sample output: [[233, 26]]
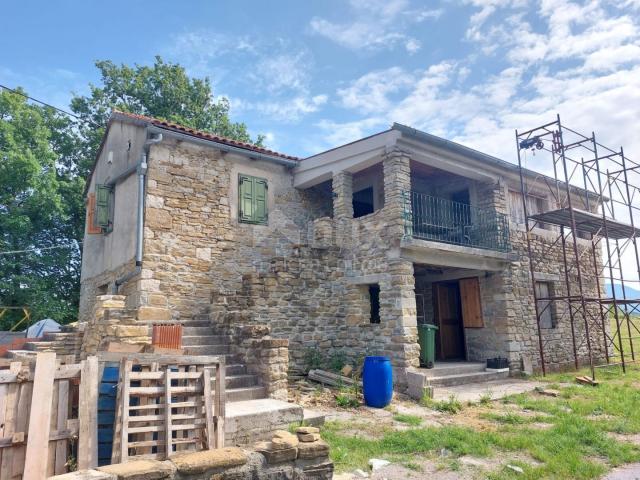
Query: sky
[[315, 74]]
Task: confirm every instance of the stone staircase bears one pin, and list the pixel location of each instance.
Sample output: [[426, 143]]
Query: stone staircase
[[251, 416], [65, 342], [450, 374], [198, 338]]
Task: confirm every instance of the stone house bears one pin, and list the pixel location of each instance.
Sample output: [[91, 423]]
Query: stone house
[[342, 253]]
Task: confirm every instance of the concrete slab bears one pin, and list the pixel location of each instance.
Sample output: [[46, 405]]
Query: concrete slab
[[313, 417], [472, 392], [248, 421], [628, 472]]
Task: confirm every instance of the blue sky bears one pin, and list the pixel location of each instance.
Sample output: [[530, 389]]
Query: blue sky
[[314, 74]]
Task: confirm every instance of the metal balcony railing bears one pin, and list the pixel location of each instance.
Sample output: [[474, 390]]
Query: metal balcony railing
[[442, 220]]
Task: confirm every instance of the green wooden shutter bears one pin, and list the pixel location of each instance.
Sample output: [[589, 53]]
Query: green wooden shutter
[[246, 198], [252, 199], [103, 196], [260, 200]]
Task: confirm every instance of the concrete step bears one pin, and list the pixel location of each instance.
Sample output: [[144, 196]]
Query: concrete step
[[246, 393], [191, 340], [442, 369], [207, 349], [248, 421], [472, 377]]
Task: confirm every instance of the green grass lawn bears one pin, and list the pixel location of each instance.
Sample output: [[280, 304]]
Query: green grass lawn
[[575, 443]]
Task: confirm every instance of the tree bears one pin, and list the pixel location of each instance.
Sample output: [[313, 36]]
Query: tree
[[163, 90], [38, 198]]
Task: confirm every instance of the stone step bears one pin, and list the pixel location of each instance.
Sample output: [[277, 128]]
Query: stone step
[[453, 368], [188, 331], [37, 346], [246, 393], [240, 381], [248, 421], [207, 349], [472, 377], [197, 323], [191, 340]]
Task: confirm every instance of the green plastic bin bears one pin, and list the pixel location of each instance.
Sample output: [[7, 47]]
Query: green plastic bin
[[427, 341]]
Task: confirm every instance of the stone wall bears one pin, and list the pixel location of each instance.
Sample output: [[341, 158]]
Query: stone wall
[[264, 356], [308, 461], [111, 321]]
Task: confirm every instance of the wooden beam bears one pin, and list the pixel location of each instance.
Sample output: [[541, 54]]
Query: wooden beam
[[88, 415], [40, 421]]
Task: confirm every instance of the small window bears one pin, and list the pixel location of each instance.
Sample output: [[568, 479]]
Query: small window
[[374, 303], [363, 202], [252, 201], [545, 307]]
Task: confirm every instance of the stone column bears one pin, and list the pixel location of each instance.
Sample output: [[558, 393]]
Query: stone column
[[342, 185], [398, 315], [397, 188]]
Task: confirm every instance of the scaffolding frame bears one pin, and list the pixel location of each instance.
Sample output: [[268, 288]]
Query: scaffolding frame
[[593, 188]]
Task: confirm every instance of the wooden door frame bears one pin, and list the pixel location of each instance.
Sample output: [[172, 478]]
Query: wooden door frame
[[437, 320]]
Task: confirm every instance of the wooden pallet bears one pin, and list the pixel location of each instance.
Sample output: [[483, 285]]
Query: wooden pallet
[[165, 405], [39, 418]]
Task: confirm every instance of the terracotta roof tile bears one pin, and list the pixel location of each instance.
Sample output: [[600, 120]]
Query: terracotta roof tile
[[204, 135]]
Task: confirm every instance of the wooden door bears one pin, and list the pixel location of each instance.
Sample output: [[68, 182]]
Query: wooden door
[[471, 306], [449, 320]]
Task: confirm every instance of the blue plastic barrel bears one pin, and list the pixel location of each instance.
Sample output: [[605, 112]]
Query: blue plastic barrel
[[377, 381]]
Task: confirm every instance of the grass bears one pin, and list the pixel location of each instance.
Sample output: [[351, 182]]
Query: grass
[[576, 444], [451, 405], [412, 420]]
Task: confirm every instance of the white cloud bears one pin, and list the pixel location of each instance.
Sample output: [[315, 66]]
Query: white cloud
[[377, 25], [287, 110], [370, 93], [275, 73], [339, 133]]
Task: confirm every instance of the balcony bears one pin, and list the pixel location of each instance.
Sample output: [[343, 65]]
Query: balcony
[[441, 220]]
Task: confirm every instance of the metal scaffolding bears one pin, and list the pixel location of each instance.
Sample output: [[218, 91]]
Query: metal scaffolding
[[592, 205]]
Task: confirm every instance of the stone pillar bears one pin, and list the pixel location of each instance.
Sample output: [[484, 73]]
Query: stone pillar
[[397, 188], [398, 312], [342, 185]]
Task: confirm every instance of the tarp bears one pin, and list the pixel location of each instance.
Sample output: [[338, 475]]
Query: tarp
[[38, 329]]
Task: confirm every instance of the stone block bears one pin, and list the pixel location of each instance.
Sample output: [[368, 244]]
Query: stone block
[[279, 456], [122, 331], [140, 470], [200, 462], [308, 437], [315, 449], [154, 313], [283, 440], [307, 430]]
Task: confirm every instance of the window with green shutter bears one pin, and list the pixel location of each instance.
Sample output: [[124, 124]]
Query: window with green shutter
[[103, 207], [252, 200]]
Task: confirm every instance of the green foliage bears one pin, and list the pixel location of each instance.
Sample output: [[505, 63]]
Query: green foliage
[[348, 398], [313, 359], [450, 405], [337, 361], [412, 420], [40, 197], [163, 90]]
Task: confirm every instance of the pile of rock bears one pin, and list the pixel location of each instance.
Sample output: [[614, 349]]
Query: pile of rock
[[305, 447]]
